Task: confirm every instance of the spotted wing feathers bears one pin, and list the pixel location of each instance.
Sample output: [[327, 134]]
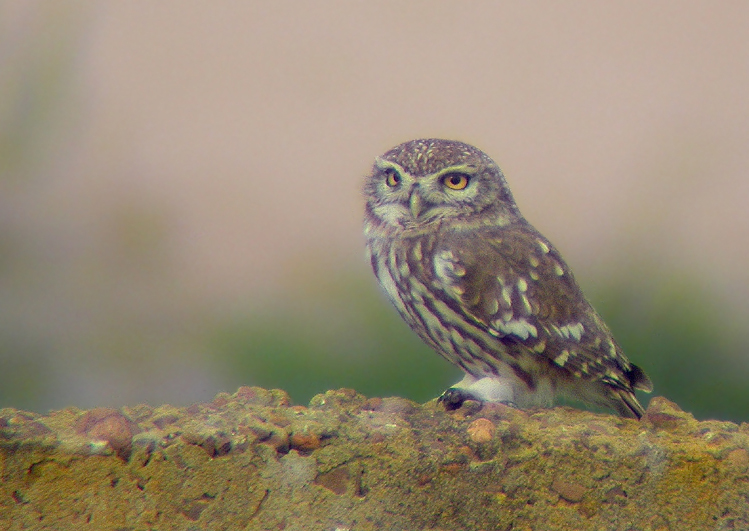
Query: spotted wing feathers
[[515, 285]]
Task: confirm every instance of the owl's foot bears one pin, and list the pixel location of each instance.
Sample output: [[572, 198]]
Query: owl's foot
[[453, 398], [481, 390]]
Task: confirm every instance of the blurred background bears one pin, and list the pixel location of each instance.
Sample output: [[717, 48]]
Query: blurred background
[[180, 208]]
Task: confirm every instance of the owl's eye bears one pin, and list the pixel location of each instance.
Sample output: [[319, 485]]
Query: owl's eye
[[392, 179], [456, 181]]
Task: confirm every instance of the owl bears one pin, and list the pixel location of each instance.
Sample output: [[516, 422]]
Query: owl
[[482, 287]]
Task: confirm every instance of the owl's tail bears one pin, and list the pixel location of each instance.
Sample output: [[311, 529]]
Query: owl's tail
[[623, 400], [625, 403], [638, 379]]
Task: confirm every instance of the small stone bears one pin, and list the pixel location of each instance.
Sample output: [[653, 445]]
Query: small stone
[[424, 479], [280, 398], [254, 395], [398, 406], [568, 490], [220, 401], [663, 421], [164, 421], [110, 425], [467, 451], [336, 480], [616, 495], [453, 468], [343, 399], [481, 430], [278, 439], [376, 438], [738, 459], [217, 444], [304, 442], [372, 404], [665, 414]]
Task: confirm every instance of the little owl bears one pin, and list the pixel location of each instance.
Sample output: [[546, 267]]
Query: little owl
[[484, 288]]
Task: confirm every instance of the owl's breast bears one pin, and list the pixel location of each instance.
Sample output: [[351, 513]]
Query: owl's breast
[[392, 267], [405, 270]]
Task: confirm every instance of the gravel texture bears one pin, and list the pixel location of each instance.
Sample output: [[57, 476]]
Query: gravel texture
[[252, 460]]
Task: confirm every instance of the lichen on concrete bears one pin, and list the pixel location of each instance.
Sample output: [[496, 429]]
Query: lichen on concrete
[[252, 460]]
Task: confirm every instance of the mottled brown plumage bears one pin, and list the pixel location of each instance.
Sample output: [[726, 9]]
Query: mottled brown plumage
[[483, 288]]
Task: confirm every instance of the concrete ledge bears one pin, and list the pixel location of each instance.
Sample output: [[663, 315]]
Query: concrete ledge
[[252, 461]]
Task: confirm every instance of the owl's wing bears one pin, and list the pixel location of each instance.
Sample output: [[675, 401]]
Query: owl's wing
[[512, 283]]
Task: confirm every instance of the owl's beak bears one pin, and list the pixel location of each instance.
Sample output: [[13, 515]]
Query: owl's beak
[[415, 203]]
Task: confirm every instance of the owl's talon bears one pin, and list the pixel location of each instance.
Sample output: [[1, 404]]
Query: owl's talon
[[454, 397]]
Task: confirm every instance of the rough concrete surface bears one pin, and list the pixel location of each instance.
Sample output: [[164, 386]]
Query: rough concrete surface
[[253, 461]]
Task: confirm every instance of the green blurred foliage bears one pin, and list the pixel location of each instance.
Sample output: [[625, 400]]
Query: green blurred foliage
[[23, 371], [686, 339], [347, 336]]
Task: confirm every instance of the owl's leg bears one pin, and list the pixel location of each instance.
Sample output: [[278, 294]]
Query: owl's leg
[[487, 389]]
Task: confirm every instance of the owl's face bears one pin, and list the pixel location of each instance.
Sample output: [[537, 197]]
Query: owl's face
[[421, 183]]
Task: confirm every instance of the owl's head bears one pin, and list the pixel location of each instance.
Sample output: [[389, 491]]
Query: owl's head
[[421, 183]]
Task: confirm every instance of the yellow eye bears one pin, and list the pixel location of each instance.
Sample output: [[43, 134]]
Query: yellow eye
[[392, 179], [456, 181]]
